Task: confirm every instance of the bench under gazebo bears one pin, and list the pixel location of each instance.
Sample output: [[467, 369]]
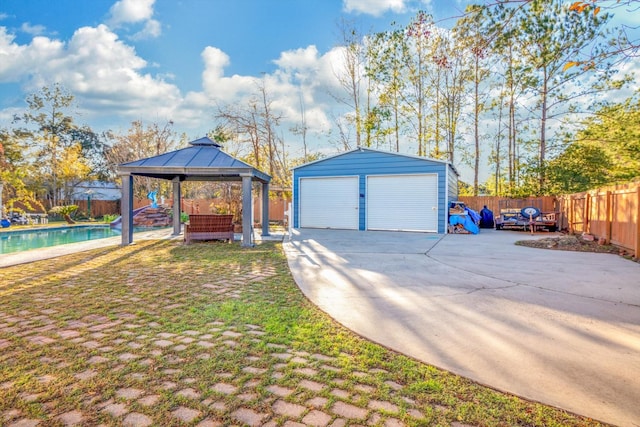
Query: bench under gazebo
[[201, 161]]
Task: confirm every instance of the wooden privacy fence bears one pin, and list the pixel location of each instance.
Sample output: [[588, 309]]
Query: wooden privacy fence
[[549, 203], [612, 213], [98, 207], [277, 207]]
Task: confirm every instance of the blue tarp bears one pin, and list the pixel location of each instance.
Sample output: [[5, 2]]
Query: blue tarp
[[474, 215], [466, 221], [486, 218]]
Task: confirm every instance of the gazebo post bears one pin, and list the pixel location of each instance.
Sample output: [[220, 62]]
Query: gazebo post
[[126, 209], [176, 205], [247, 226], [265, 208]]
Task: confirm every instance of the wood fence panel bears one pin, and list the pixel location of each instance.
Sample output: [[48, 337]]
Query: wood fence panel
[[578, 214], [277, 207], [549, 203], [612, 213], [623, 226], [597, 215], [99, 208], [478, 202]]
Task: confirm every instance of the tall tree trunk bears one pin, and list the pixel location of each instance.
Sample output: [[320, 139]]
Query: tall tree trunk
[[476, 118], [498, 146], [543, 131], [396, 125], [512, 141]]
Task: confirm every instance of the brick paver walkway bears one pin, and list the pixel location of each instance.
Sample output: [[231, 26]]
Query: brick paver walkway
[[74, 352]]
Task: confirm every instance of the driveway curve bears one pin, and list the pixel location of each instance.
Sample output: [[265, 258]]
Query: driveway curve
[[561, 328]]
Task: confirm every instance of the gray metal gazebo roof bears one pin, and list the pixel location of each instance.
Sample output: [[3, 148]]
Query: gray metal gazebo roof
[[201, 161]]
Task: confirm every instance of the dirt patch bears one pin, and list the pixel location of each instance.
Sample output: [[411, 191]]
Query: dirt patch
[[576, 243]]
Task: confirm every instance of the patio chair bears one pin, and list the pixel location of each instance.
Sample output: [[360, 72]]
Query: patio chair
[[209, 227]]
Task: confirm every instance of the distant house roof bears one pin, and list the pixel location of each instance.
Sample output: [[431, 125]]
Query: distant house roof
[[201, 161], [98, 190]]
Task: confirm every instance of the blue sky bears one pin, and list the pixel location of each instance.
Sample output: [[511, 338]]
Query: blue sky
[[178, 60], [160, 60]]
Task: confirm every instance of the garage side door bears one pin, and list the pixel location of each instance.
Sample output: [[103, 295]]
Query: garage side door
[[402, 202], [329, 202]]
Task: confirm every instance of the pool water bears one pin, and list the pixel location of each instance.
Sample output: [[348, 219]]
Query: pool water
[[24, 240]]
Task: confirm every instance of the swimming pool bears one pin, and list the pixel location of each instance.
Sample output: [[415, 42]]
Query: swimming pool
[[24, 240]]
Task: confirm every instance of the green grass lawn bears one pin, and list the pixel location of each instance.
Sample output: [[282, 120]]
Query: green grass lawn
[[159, 333]]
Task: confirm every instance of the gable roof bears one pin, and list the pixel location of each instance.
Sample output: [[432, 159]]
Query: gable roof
[[201, 161], [391, 153]]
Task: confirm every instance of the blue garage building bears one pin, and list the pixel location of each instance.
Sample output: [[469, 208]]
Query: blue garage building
[[366, 189]]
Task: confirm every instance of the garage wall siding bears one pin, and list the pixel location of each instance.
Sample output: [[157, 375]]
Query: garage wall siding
[[453, 184], [364, 162]]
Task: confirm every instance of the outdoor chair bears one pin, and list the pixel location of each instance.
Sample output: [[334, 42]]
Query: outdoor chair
[[209, 227]]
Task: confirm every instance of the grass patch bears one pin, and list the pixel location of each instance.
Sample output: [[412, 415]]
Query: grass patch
[[182, 334]]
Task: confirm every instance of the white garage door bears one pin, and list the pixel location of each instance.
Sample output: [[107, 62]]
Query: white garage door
[[329, 202], [402, 202]]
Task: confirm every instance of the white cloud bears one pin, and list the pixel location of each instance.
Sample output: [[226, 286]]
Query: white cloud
[[151, 30], [215, 84], [34, 30], [100, 70], [298, 58], [374, 7], [131, 11], [308, 77], [112, 84], [109, 74], [19, 62], [297, 79], [302, 66], [7, 115]]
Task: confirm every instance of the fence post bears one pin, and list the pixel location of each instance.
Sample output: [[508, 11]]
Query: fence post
[[637, 245], [609, 211], [572, 214], [586, 218]]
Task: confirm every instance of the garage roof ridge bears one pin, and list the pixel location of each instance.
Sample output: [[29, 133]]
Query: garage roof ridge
[[412, 156]]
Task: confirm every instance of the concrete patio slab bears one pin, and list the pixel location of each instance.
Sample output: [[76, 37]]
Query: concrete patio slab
[[561, 328]]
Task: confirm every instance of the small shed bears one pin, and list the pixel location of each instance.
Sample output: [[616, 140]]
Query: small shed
[[202, 160], [366, 189]]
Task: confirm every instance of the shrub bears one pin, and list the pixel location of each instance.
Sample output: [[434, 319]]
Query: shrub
[[65, 211], [109, 218]]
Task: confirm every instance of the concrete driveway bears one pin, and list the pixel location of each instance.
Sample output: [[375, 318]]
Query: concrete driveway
[[562, 328]]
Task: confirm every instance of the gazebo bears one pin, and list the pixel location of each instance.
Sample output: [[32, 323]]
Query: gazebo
[[201, 161]]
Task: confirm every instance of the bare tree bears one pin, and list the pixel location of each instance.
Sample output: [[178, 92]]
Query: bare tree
[[302, 128], [343, 139], [350, 76], [257, 124], [138, 143]]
